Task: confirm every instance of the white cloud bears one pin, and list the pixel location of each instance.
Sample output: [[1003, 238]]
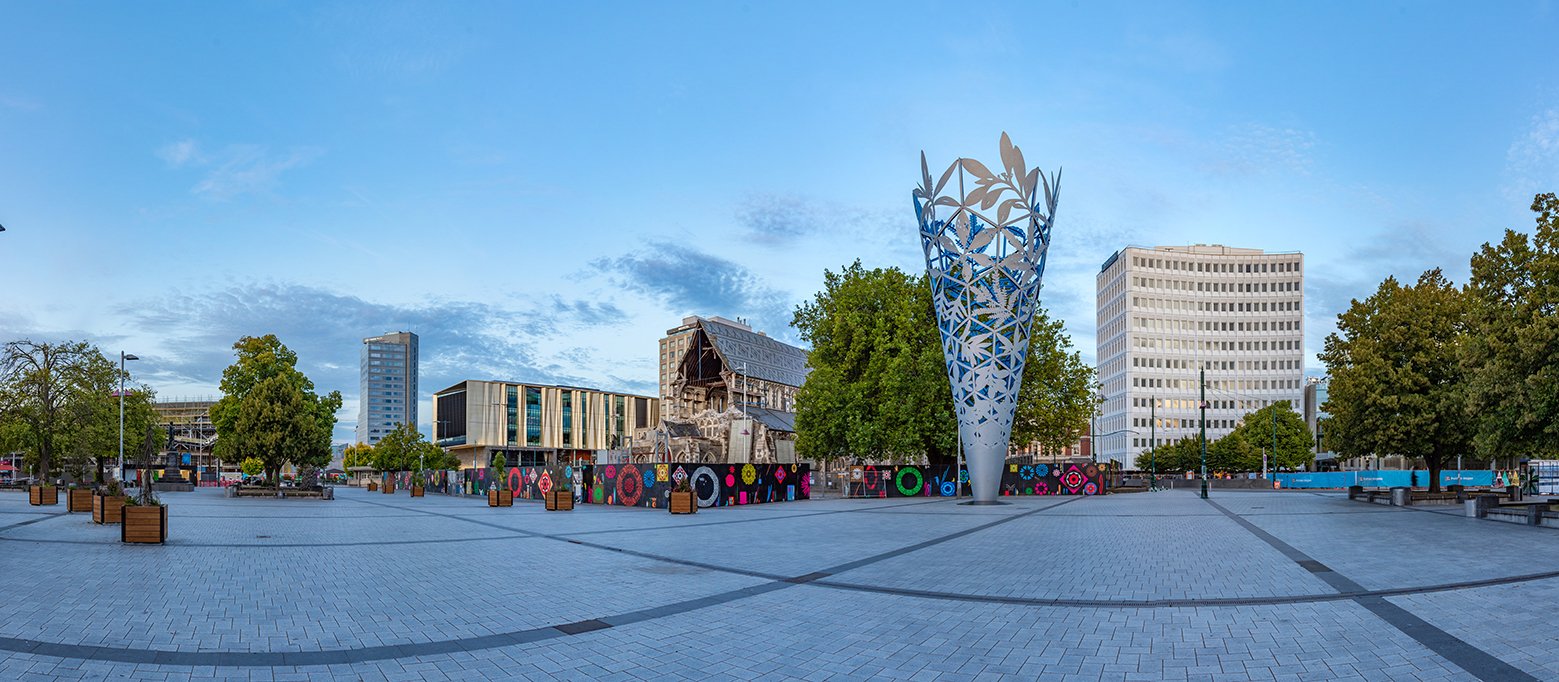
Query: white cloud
[[247, 169], [1254, 149], [181, 153], [1532, 162]]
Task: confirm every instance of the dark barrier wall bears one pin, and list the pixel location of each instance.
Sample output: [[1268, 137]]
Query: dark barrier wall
[[714, 485], [1018, 479], [528, 483]]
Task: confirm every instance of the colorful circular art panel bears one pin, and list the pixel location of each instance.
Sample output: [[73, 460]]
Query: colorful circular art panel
[[909, 489], [629, 485], [706, 484], [749, 474]]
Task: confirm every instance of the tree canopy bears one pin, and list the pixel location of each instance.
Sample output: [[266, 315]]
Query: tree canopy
[[269, 409], [58, 404], [1058, 394], [1397, 384], [1509, 356], [357, 455], [404, 449], [878, 387], [1256, 430]]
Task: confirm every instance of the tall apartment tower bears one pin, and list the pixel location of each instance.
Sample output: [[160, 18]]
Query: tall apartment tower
[[1168, 312], [388, 385]]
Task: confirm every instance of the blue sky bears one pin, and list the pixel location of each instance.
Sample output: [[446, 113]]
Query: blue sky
[[540, 190]]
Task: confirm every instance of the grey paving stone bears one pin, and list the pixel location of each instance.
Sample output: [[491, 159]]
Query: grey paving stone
[[444, 588]]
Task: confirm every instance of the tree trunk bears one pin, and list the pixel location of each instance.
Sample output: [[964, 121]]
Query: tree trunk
[[1434, 465]]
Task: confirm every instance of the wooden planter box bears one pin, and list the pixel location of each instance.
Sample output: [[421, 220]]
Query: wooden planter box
[[416, 491], [108, 508], [78, 500], [148, 525], [40, 495], [500, 498], [373, 486], [683, 503], [559, 500], [388, 489]]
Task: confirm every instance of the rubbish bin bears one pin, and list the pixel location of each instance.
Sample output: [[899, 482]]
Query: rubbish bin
[[1355, 491], [1400, 496]]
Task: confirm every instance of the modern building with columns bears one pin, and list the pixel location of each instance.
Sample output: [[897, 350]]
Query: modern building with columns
[[535, 424], [1167, 312]]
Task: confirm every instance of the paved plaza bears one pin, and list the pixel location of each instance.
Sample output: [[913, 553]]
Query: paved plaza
[[1250, 586]]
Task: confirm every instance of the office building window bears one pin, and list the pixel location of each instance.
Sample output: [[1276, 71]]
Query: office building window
[[532, 416], [512, 397]]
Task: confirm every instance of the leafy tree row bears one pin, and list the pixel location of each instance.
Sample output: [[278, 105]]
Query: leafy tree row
[[59, 405], [402, 449], [1242, 449], [1429, 370], [878, 387]]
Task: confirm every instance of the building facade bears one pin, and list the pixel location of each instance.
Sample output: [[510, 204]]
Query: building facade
[[1315, 418], [1166, 314], [672, 346], [536, 424], [194, 436], [729, 396], [387, 385]]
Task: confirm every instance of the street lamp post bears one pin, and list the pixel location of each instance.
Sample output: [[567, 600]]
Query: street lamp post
[[1204, 431], [123, 356], [1153, 444]]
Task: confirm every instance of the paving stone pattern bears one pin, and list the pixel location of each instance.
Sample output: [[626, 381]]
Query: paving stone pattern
[[1261, 585]]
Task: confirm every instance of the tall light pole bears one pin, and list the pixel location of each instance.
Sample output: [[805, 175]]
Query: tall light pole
[[1204, 430], [123, 356], [1153, 444]]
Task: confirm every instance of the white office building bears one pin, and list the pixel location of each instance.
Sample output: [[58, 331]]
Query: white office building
[[388, 385], [1166, 313]]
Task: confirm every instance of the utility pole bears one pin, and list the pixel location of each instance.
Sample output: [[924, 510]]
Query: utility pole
[[1204, 431]]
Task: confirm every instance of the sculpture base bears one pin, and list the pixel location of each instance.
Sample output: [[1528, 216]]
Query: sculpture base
[[983, 503]]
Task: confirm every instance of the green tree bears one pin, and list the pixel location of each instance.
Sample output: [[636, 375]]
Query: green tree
[[269, 409], [878, 388], [357, 455], [57, 403], [1058, 394], [93, 443], [1397, 385], [405, 449], [1294, 441], [1178, 457], [1513, 311]]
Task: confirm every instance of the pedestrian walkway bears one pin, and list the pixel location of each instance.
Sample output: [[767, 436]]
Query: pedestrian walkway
[[1249, 585]]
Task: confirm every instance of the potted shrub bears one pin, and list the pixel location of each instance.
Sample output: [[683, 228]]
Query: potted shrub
[[682, 500], [497, 495], [108, 504], [43, 494], [373, 486], [145, 519], [418, 483], [389, 485], [78, 499], [561, 498]]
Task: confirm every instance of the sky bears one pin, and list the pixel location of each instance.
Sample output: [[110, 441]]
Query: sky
[[540, 190]]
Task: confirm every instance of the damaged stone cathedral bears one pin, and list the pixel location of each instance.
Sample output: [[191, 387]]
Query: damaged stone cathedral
[[728, 394]]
